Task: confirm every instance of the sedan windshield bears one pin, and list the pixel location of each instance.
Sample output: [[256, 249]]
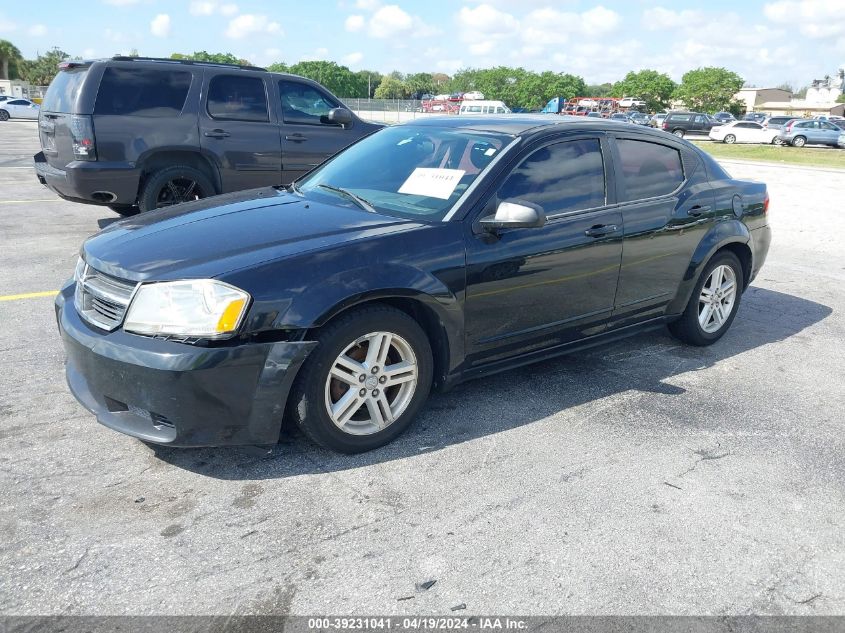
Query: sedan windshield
[[406, 171]]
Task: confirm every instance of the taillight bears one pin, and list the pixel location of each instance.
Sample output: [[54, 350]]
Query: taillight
[[665, 125], [789, 126], [82, 137], [766, 203]]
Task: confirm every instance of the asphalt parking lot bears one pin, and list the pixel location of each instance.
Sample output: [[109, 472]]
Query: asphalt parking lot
[[643, 478]]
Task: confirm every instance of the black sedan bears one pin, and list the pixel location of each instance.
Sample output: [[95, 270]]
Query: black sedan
[[423, 255]]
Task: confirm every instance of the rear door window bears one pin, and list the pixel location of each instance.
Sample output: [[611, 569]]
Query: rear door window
[[237, 97], [142, 92], [648, 169], [63, 90], [304, 104], [561, 178]]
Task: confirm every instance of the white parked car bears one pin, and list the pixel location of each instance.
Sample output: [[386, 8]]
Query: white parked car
[[484, 107], [473, 96], [743, 132], [18, 109]]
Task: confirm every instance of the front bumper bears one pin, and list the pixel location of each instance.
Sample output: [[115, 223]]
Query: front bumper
[[174, 393], [89, 181]]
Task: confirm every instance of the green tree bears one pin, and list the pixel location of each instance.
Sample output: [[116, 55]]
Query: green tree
[[598, 90], [339, 79], [214, 58], [392, 88], [369, 81], [840, 98], [420, 83], [708, 89], [41, 70], [10, 56], [278, 67], [517, 87], [440, 79], [653, 87]]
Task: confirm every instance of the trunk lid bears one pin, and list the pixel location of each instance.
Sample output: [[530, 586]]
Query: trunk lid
[[60, 115]]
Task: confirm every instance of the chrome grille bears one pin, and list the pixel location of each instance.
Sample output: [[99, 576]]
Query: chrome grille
[[100, 299]]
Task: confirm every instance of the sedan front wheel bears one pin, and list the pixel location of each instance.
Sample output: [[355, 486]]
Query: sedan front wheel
[[366, 380]]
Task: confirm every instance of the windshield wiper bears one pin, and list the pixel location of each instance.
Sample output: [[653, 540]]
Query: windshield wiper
[[366, 206], [294, 189]]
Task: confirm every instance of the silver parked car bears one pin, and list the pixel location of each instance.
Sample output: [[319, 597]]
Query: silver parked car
[[800, 132], [18, 109]]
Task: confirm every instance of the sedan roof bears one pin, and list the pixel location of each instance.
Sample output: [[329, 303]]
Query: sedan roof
[[518, 124]]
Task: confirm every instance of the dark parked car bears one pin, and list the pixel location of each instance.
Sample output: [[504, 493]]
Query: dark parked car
[[681, 123], [724, 117], [140, 133], [776, 122], [425, 254], [757, 117]]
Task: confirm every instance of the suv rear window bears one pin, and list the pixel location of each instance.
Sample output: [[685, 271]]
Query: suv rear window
[[240, 98], [142, 92], [63, 90], [648, 169]]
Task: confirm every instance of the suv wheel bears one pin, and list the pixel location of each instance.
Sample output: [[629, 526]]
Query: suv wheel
[[174, 185], [678, 132], [729, 139], [799, 141], [713, 304], [4, 116], [365, 382]]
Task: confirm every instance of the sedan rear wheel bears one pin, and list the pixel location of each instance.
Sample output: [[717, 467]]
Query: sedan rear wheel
[[714, 302], [4, 115], [366, 380], [729, 139]]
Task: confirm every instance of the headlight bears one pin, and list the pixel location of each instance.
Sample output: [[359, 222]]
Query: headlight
[[80, 269], [203, 308]]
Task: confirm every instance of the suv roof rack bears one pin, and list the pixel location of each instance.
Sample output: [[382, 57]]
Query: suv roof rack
[[189, 62]]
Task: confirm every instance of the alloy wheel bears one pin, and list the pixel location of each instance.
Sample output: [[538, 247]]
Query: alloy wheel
[[371, 383], [178, 190], [717, 299]]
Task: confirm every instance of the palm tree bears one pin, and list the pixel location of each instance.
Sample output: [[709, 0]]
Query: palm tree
[[8, 53]]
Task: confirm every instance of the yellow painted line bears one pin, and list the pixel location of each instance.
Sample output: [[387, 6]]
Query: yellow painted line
[[29, 295], [22, 201]]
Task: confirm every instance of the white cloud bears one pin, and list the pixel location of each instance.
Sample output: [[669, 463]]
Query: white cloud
[[816, 19], [250, 24], [202, 7], [229, 9], [160, 25], [659, 19], [487, 20], [121, 3], [390, 20], [354, 23], [353, 59], [599, 20], [367, 5], [37, 30]]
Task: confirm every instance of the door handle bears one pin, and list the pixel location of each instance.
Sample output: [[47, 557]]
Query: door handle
[[697, 210], [216, 133], [600, 230], [296, 138]]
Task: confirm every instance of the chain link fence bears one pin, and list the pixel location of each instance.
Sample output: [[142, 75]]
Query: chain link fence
[[388, 110]]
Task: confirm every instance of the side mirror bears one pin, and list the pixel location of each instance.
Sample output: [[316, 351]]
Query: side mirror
[[514, 215], [340, 116]]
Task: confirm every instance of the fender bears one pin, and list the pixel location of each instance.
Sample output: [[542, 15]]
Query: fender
[[728, 231]]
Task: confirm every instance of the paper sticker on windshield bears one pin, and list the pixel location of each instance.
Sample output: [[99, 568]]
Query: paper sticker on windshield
[[434, 183]]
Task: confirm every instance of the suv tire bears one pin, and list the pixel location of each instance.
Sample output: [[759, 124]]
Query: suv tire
[[317, 389], [173, 185], [678, 132], [799, 141], [688, 328]]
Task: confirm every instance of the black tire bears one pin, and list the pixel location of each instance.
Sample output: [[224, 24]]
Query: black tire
[[678, 132], [799, 141], [687, 328], [188, 184], [126, 210], [4, 115], [308, 396], [731, 137]]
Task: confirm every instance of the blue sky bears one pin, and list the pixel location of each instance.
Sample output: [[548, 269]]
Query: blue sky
[[767, 42]]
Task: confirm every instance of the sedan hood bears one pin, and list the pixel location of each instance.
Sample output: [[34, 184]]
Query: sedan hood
[[209, 238]]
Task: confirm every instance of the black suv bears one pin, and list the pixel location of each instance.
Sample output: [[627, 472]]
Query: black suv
[[680, 123], [141, 133]]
